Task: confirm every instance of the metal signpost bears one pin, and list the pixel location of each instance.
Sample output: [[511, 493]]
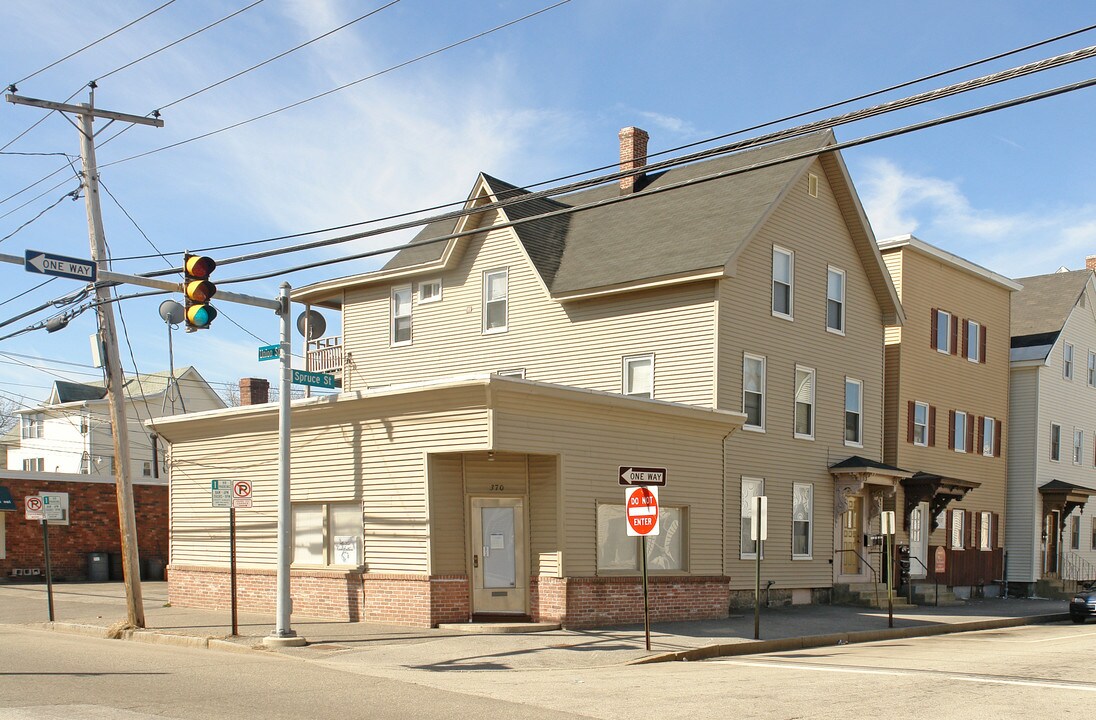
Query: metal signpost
[[232, 494], [641, 516], [886, 523], [41, 509], [759, 532]]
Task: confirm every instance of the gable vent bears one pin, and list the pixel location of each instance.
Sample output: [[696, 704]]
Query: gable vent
[[812, 185]]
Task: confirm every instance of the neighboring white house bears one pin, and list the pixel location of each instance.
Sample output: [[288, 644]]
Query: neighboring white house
[[71, 432], [1051, 528]]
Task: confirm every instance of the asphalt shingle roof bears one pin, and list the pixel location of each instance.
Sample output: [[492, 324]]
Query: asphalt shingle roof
[[1046, 301]]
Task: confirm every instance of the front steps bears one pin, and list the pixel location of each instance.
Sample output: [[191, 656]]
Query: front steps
[[864, 595], [926, 594]]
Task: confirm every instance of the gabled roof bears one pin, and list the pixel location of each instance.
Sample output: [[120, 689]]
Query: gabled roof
[[142, 385], [699, 228], [1046, 301], [66, 392]]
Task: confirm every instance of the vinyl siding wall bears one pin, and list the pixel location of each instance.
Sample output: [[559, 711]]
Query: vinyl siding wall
[[1022, 533], [374, 454], [813, 228], [579, 343], [1072, 404], [951, 382]]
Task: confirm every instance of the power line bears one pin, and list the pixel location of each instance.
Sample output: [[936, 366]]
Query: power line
[[75, 195], [134, 222], [89, 45], [769, 123], [339, 88]]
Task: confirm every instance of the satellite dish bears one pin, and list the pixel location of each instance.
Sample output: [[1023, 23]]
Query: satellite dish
[[171, 312], [316, 324]]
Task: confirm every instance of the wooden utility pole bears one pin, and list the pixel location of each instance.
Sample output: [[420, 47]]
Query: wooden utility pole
[[127, 520]]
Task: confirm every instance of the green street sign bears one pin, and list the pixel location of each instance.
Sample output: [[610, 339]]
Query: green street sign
[[315, 379], [269, 352]]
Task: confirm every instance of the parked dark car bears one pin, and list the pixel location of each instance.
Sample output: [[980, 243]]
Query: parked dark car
[[1083, 605]]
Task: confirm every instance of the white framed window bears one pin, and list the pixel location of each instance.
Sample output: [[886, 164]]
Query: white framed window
[[835, 301], [1078, 445], [753, 391], [804, 403], [942, 325], [1092, 368], [1055, 442], [495, 294], [854, 412], [973, 341], [327, 533], [958, 529], [31, 425], [638, 376], [34, 464], [989, 437], [1067, 361], [518, 373], [960, 429], [802, 521], [146, 468], [401, 315], [617, 552], [921, 424], [429, 291], [985, 531], [752, 488], [783, 282]]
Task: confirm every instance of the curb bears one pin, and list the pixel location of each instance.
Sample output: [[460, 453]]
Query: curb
[[152, 637], [756, 647]]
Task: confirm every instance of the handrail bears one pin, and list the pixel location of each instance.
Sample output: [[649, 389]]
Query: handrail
[[935, 581], [874, 574], [1077, 570]]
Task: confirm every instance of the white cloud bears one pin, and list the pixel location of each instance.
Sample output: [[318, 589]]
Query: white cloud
[[1031, 241], [674, 125]]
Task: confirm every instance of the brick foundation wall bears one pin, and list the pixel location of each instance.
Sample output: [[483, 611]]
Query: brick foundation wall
[[415, 600], [590, 602], [93, 527]]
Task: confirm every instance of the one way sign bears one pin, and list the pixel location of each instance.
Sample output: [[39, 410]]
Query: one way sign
[[36, 261], [646, 476]]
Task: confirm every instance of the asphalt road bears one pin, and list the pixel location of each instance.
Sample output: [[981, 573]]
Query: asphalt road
[[1031, 672]]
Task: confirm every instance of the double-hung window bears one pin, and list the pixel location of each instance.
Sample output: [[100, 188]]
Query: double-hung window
[[941, 328], [1067, 361], [752, 488], [783, 286], [753, 391], [985, 531], [639, 376], [804, 403], [1055, 441], [1092, 368], [921, 424], [1078, 445], [959, 428], [989, 439], [958, 529], [802, 515], [327, 533], [835, 301], [495, 293], [854, 415], [401, 315], [31, 425], [973, 336]]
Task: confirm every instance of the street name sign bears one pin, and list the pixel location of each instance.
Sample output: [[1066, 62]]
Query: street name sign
[[241, 494], [315, 379], [222, 493], [645, 476], [269, 352], [641, 511], [43, 263]]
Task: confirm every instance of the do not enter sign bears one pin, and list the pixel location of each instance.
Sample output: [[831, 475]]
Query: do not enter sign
[[641, 511]]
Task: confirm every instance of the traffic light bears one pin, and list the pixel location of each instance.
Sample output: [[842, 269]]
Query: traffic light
[[198, 291]]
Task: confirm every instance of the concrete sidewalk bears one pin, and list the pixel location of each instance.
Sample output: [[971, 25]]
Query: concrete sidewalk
[[92, 608]]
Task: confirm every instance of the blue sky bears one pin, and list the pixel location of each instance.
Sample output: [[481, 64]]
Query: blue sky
[[1011, 191]]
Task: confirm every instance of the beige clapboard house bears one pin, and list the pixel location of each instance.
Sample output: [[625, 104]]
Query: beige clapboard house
[[723, 320], [947, 416]]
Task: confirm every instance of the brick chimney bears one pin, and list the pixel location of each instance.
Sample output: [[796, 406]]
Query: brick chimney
[[1090, 262], [633, 154], [254, 391]]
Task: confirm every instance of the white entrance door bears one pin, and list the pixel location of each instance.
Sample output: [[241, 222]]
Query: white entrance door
[[919, 541], [499, 575]]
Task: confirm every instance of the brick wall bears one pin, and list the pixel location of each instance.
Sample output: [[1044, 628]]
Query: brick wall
[[547, 598], [93, 527], [615, 600]]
